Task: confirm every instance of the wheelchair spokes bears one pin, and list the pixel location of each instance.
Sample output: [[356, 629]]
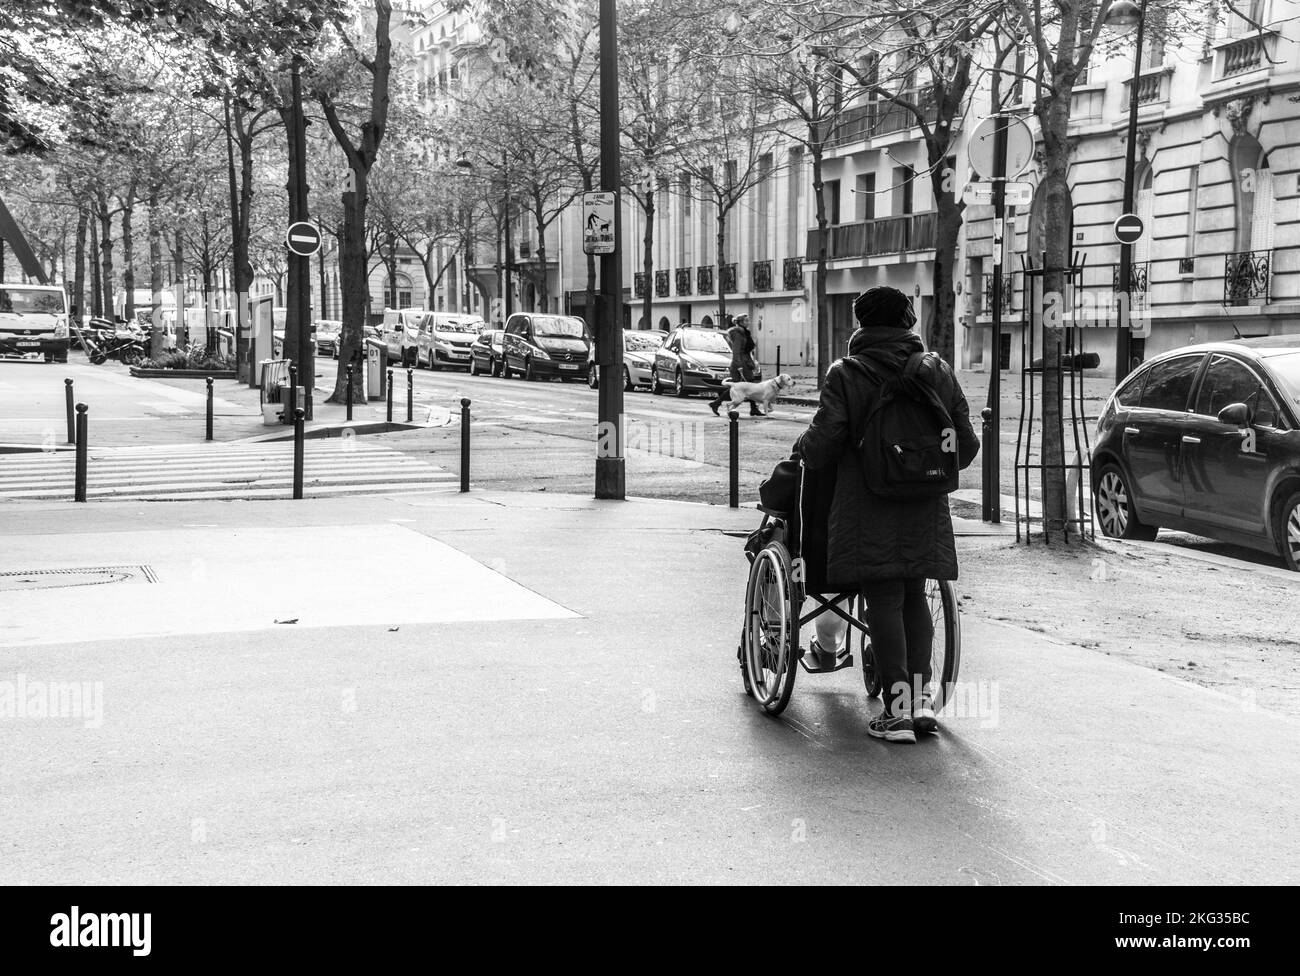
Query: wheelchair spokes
[[770, 637]]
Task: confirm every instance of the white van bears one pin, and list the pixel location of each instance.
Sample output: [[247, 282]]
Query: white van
[[401, 333], [34, 319], [445, 339]]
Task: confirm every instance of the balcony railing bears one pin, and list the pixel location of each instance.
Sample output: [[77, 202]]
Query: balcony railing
[[727, 277], [761, 275], [877, 119], [1139, 276], [1151, 89], [888, 235], [683, 281], [661, 284], [1246, 277], [1244, 55], [792, 273], [638, 284], [704, 279], [1008, 293]]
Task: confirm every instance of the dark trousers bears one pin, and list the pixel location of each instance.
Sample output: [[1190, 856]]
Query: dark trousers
[[902, 635]]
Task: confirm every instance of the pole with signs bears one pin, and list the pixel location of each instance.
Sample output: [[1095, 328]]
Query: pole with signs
[[992, 480], [303, 241], [610, 469], [1127, 349]]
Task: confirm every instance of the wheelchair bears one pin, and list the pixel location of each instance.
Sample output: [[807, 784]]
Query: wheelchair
[[787, 557]]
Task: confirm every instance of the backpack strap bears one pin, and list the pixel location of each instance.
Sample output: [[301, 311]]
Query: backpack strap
[[912, 376]]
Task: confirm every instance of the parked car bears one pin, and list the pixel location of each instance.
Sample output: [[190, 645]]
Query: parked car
[[34, 319], [328, 332], [487, 352], [542, 346], [402, 334], [445, 339], [693, 359], [639, 347], [1206, 439]]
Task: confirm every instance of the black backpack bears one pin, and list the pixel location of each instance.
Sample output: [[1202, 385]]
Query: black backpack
[[909, 443]]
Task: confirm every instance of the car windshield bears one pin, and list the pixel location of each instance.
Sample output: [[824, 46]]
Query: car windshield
[[31, 301], [642, 341], [1287, 367], [453, 325], [555, 326], [705, 342]]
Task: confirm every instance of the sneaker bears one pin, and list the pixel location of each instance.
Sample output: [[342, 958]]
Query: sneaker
[[883, 726], [923, 717]]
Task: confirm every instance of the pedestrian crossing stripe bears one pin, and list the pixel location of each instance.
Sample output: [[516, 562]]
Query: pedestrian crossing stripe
[[330, 467]]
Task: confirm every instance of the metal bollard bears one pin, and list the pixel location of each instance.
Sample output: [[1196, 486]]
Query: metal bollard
[[79, 489], [778, 360], [390, 396], [410, 394], [293, 393], [209, 437], [348, 399], [992, 506], [733, 435], [464, 444], [72, 414], [298, 415]]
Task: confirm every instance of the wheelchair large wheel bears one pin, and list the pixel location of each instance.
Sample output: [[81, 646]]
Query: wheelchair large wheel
[[771, 634], [945, 657]]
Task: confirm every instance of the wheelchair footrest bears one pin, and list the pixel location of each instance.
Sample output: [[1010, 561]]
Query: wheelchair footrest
[[812, 663]]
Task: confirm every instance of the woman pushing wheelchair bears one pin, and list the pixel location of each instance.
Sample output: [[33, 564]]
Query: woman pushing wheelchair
[[894, 427]]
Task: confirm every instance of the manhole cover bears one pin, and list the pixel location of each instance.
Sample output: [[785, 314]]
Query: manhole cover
[[53, 579]]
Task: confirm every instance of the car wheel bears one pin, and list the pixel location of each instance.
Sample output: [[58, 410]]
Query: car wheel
[[628, 385], [1288, 531], [593, 378], [505, 369], [528, 373], [1113, 503], [679, 384], [654, 382], [473, 366], [494, 367]]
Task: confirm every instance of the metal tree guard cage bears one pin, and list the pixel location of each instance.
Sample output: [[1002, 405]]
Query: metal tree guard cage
[[1071, 361]]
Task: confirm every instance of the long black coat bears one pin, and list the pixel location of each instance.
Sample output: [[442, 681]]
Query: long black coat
[[869, 537]]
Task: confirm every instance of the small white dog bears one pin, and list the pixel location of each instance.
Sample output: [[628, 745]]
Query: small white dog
[[760, 393]]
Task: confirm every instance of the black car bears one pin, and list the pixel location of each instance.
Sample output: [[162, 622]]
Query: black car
[[692, 359], [542, 346], [487, 352], [1206, 439]]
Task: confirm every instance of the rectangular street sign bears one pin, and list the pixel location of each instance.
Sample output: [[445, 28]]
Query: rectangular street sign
[[598, 210], [980, 194]]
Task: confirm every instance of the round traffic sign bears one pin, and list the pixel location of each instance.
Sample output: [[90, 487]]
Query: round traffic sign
[[303, 239], [1020, 147], [1128, 228]]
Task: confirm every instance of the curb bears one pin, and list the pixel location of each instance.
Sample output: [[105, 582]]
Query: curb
[[35, 448], [323, 431], [181, 374]]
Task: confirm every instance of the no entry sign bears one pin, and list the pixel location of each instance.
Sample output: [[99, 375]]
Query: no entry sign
[[1128, 229], [303, 239]]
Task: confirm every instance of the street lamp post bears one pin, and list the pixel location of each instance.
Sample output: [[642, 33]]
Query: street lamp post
[[610, 463], [1123, 16]]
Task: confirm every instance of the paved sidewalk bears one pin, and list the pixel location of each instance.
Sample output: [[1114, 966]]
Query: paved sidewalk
[[543, 688]]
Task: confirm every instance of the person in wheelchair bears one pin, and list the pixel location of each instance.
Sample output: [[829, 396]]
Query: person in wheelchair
[[885, 544]]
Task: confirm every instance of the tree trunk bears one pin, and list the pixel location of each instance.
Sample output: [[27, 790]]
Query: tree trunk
[[1056, 219], [543, 292], [947, 231], [128, 257], [155, 274], [722, 257], [96, 293], [648, 259], [825, 335], [79, 267], [353, 259], [178, 275], [105, 252]]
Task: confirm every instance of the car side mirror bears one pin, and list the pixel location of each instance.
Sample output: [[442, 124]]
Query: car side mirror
[[1235, 414]]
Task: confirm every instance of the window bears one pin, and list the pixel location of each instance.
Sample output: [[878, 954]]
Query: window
[[1170, 383], [864, 198], [731, 245], [685, 231], [904, 184], [1193, 206], [1146, 209], [1253, 195], [1228, 381], [831, 197], [1131, 392], [794, 186], [1153, 54], [762, 210]]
